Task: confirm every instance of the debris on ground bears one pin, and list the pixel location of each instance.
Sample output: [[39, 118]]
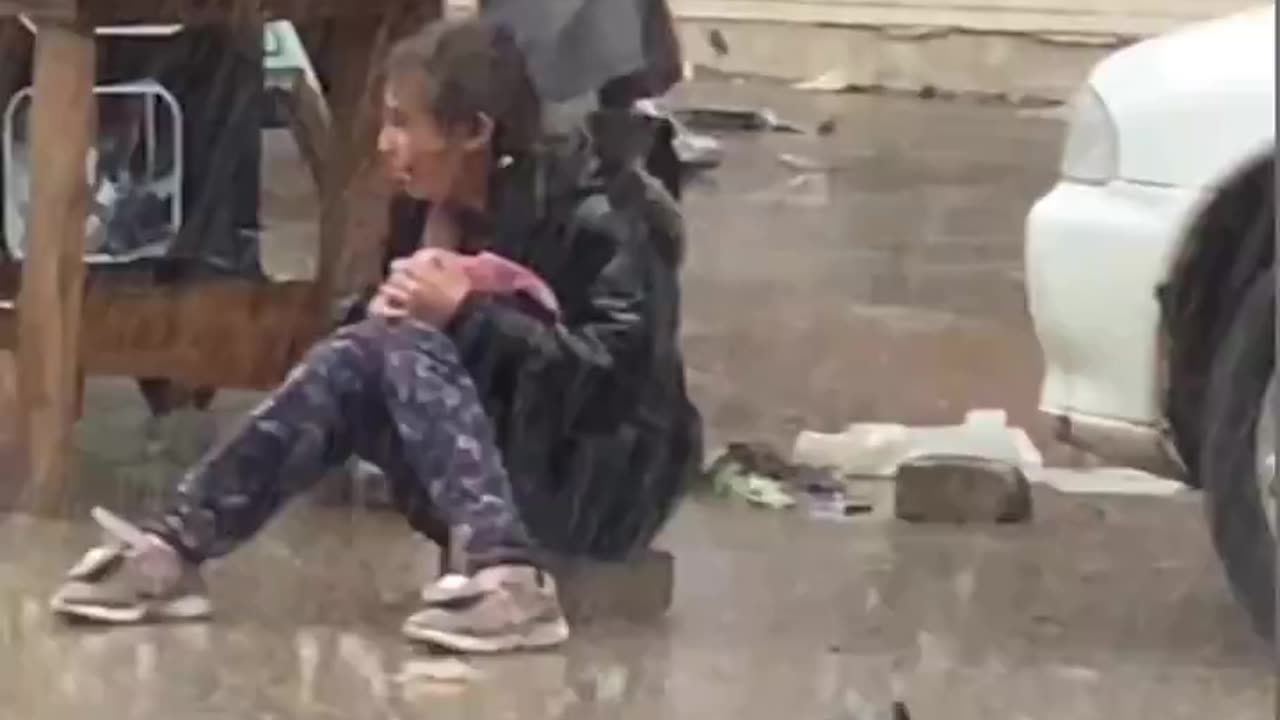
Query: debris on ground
[[758, 474], [838, 505], [753, 472], [719, 45], [834, 80], [879, 449], [755, 489], [967, 473], [695, 151], [803, 163], [733, 119], [862, 450]]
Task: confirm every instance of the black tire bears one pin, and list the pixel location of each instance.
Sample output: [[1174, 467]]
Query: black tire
[[1238, 381]]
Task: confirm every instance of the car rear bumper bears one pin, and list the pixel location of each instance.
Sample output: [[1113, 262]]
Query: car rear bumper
[[1094, 258], [1142, 447]]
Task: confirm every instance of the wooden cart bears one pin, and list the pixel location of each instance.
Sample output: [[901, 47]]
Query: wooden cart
[[67, 323]]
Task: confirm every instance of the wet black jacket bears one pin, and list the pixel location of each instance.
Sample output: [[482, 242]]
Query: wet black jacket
[[591, 412]]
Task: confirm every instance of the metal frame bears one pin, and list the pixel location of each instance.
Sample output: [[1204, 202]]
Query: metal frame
[[147, 88]]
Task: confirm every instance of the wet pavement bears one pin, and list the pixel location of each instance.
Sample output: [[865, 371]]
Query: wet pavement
[[885, 287], [893, 279], [1099, 609]]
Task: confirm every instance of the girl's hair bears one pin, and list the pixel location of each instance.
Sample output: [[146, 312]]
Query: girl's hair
[[465, 68]]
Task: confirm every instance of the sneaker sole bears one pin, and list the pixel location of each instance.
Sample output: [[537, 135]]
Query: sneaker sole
[[188, 608], [544, 636]]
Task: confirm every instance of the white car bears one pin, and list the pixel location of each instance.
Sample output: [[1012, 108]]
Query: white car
[[1150, 280]]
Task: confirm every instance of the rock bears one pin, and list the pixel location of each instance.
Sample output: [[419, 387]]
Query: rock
[[961, 489], [638, 589]]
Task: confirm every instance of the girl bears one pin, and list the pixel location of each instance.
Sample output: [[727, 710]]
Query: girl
[[512, 411]]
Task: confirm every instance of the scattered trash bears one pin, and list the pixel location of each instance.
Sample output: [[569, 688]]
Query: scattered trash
[[753, 472], [756, 457], [837, 506], [732, 119], [827, 496], [802, 163], [862, 450], [757, 474], [694, 151], [755, 489], [833, 80], [878, 449], [718, 44]]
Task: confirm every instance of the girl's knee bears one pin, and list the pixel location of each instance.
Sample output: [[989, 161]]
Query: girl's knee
[[403, 333], [347, 344], [396, 344], [419, 338], [370, 331]]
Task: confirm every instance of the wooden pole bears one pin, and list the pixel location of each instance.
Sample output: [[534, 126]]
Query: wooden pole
[[358, 46], [63, 123]]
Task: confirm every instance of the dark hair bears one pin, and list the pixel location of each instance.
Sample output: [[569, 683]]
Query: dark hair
[[465, 68]]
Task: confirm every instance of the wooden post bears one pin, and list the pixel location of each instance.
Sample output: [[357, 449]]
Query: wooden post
[[63, 122], [357, 44]]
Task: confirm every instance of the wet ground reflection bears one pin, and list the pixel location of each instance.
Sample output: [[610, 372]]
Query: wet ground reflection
[[1102, 608]]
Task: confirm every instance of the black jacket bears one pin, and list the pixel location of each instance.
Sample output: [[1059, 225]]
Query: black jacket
[[591, 412]]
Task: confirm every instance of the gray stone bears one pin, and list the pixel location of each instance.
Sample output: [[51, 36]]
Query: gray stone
[[961, 489], [637, 589]]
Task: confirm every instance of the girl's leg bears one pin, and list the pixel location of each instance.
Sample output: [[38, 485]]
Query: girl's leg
[[439, 451], [394, 393]]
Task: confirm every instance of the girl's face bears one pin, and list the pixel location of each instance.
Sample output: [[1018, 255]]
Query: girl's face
[[424, 158]]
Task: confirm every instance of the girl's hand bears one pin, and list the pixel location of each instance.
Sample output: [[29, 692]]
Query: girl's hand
[[385, 307], [429, 286]]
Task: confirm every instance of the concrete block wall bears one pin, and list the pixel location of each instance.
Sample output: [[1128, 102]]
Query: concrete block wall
[[1018, 49]]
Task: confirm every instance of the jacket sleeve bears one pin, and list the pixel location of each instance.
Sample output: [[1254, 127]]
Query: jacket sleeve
[[595, 360]]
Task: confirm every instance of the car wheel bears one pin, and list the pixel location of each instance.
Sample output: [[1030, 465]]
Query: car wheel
[[1237, 465]]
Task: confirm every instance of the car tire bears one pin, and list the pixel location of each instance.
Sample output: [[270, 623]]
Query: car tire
[[1228, 467]]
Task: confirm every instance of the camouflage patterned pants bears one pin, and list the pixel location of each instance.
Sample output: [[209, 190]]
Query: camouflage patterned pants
[[392, 393]]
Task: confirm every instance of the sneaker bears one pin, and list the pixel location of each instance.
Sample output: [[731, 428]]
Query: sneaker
[[133, 577], [499, 609]]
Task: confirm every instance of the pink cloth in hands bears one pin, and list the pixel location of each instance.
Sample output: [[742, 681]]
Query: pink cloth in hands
[[493, 273]]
